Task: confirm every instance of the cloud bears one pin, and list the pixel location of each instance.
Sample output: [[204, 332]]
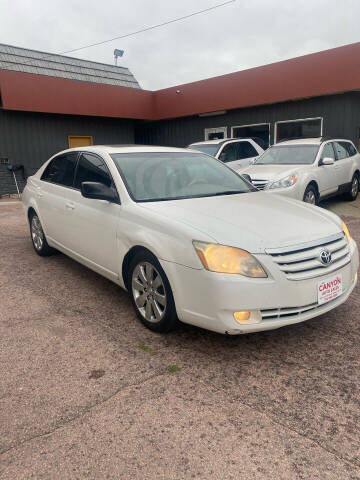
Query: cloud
[[238, 36]]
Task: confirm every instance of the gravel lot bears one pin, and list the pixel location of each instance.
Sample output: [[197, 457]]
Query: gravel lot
[[86, 392]]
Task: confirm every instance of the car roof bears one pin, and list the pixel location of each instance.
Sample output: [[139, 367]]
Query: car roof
[[301, 141], [311, 141], [110, 149]]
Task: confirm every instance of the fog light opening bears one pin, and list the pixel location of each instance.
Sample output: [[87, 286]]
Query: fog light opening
[[248, 317]]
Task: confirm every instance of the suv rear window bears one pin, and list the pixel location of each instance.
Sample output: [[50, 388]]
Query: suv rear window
[[61, 170]]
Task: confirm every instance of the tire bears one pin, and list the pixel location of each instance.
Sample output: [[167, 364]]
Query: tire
[[352, 194], [151, 294], [38, 238], [311, 195]]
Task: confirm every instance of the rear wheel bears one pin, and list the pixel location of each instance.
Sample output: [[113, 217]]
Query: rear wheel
[[352, 194], [311, 195], [38, 238], [151, 293]]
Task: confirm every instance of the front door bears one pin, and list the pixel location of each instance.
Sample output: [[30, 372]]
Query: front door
[[327, 174], [92, 224]]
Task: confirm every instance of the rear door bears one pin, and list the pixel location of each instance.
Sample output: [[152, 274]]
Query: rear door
[[343, 164], [52, 195], [93, 223]]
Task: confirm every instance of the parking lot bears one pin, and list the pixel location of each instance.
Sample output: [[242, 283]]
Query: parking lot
[[86, 392]]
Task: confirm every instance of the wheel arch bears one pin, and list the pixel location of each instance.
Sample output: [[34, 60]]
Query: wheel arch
[[31, 210], [127, 260]]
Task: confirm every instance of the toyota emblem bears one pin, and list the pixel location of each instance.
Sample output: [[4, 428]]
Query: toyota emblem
[[325, 257]]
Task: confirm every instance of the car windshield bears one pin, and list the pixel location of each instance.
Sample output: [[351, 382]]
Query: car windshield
[[209, 148], [151, 177], [288, 155]]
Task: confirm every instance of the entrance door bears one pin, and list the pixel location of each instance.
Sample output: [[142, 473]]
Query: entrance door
[[80, 141]]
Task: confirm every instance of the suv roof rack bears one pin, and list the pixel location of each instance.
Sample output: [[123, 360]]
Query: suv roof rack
[[290, 138], [326, 138]]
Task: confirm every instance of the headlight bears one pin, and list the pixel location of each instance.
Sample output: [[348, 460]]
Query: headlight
[[223, 259], [288, 181], [346, 231]]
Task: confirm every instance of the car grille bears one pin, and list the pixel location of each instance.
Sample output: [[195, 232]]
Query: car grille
[[303, 261], [259, 184], [292, 313]]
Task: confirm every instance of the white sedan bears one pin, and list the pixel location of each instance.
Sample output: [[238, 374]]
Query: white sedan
[[189, 239]]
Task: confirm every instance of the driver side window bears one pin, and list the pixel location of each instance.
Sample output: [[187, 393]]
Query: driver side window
[[328, 152], [229, 153]]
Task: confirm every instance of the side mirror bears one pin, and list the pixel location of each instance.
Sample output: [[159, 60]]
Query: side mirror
[[222, 157], [98, 191], [326, 161]]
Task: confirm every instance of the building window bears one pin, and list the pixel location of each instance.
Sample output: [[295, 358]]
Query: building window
[[80, 141], [302, 128], [260, 132], [218, 133]]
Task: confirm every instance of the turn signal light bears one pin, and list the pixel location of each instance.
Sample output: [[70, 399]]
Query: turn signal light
[[242, 317], [248, 317]]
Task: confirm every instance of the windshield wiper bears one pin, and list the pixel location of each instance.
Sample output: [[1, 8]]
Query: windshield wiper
[[229, 192]]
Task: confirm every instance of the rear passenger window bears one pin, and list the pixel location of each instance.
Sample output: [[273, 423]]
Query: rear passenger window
[[341, 150], [61, 170], [92, 168], [349, 148], [246, 150]]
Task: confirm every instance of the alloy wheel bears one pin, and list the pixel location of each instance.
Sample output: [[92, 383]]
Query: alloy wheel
[[310, 197], [354, 187], [37, 233], [149, 292]]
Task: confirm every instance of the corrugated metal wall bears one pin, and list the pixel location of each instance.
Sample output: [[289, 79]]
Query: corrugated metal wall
[[341, 114], [31, 138]]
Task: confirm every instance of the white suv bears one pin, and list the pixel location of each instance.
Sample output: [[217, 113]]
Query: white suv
[[309, 169], [236, 153]]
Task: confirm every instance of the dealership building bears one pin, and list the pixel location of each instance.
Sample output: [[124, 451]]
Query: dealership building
[[51, 102]]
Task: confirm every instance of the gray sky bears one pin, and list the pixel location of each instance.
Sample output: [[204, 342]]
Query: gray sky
[[240, 35]]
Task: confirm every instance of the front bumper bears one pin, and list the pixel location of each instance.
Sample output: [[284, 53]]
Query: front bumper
[[209, 300]]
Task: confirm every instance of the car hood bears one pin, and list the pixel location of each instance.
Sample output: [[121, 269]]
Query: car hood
[[270, 172], [251, 221]]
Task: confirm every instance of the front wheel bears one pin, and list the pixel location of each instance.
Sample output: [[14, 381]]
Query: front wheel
[[151, 293], [352, 194], [311, 195]]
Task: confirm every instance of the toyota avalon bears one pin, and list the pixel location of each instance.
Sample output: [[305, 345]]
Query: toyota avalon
[[190, 239]]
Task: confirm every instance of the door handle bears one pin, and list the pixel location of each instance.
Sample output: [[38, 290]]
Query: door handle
[[70, 206], [39, 193]]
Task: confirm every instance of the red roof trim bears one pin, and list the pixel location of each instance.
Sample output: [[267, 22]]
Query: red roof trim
[[41, 93], [328, 72]]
